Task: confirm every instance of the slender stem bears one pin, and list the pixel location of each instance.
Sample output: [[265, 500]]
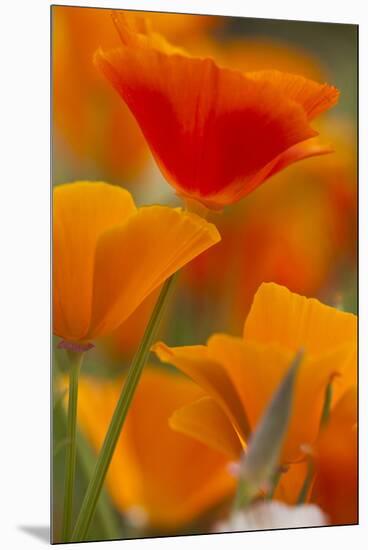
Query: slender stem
[[105, 512], [86, 459], [310, 469], [303, 494], [76, 359], [103, 462], [326, 406], [274, 482]]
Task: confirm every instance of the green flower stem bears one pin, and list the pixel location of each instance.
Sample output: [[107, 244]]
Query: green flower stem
[[86, 458], [274, 483], [326, 406], [76, 359], [103, 462], [105, 512], [302, 497], [303, 494]]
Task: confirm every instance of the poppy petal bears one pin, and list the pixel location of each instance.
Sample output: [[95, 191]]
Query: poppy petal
[[301, 151], [291, 482], [294, 321], [336, 484], [209, 136], [81, 212], [256, 370], [315, 98], [196, 363], [168, 476], [206, 421], [136, 257], [136, 32]]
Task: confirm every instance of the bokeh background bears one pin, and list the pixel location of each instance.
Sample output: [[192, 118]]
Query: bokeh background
[[298, 229]]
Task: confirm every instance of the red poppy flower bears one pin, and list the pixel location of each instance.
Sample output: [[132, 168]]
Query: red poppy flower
[[215, 133]]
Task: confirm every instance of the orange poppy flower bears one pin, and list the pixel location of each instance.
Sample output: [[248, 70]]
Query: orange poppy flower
[[240, 375], [336, 485], [166, 476], [109, 255], [215, 133]]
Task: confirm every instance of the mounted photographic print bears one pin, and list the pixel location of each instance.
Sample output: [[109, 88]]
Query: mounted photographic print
[[204, 173]]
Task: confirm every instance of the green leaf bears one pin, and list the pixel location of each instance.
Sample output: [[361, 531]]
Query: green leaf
[[261, 458], [302, 497]]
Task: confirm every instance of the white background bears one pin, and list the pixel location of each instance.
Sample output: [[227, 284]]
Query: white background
[[25, 268]]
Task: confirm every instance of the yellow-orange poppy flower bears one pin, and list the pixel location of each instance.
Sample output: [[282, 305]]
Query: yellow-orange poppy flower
[[215, 133], [336, 461], [109, 255], [240, 375], [170, 478]]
